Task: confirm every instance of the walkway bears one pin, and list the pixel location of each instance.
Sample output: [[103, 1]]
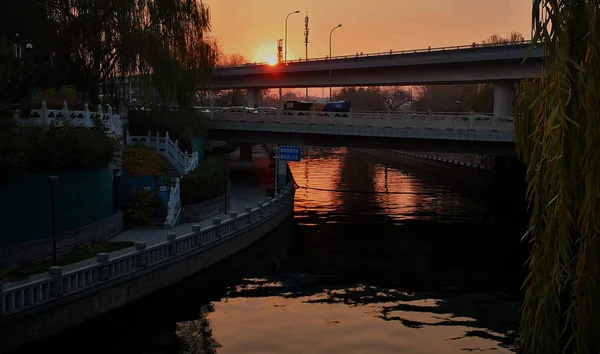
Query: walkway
[[243, 192]]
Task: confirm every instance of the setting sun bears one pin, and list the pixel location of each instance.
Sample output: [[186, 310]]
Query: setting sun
[[271, 59], [267, 53]]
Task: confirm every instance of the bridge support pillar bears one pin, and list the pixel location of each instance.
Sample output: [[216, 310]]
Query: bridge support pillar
[[246, 152], [254, 97], [503, 98]]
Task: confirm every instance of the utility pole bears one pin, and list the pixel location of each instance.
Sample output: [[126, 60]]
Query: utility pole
[[306, 43], [280, 61]]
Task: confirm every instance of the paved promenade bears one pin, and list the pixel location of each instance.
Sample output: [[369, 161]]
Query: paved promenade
[[246, 190]]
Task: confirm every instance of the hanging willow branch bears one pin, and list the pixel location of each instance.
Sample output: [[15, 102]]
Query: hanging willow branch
[[558, 136], [161, 43]]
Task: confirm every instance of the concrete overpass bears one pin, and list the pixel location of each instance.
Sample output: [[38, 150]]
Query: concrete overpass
[[409, 131], [448, 65], [498, 64]]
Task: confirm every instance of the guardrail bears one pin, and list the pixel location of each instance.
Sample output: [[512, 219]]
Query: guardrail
[[58, 284], [403, 120], [391, 52]]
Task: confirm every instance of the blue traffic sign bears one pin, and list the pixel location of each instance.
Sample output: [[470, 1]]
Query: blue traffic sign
[[290, 153]]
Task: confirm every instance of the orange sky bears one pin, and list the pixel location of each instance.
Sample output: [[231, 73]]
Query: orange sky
[[252, 27]]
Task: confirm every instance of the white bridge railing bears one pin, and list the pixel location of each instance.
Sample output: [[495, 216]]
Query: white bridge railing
[[390, 119], [57, 284], [183, 162], [45, 117]]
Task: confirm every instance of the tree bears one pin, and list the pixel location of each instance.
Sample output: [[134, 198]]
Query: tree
[[395, 97], [234, 97], [558, 137], [94, 43], [512, 38], [362, 98]]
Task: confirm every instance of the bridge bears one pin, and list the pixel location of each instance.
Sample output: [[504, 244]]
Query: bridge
[[447, 65], [476, 133], [467, 64]]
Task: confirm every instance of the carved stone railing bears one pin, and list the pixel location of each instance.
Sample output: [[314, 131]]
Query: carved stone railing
[[45, 117], [164, 146], [174, 204], [390, 119], [59, 284]]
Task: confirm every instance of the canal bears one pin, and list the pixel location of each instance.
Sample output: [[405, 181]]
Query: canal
[[376, 259]]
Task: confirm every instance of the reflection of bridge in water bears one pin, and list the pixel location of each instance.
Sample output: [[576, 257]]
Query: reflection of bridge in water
[[414, 277]]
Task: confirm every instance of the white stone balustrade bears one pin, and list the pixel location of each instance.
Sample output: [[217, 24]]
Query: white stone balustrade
[[174, 204], [24, 296], [183, 162], [164, 146], [45, 117], [390, 119]]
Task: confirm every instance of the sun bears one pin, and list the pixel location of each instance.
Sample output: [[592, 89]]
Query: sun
[[266, 53], [271, 60]]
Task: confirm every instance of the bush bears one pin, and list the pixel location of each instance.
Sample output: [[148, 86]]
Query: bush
[[182, 124], [139, 160], [142, 205], [60, 148], [206, 182]]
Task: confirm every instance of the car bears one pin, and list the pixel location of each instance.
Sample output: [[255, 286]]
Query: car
[[266, 110], [241, 109]]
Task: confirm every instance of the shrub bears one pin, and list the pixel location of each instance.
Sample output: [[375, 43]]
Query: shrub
[[206, 182], [182, 124], [142, 205], [140, 160], [59, 148]]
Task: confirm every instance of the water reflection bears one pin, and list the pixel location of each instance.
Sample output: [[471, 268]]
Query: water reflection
[[398, 264]]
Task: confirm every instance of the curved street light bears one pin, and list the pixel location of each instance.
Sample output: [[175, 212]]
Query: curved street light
[[330, 34], [286, 22]]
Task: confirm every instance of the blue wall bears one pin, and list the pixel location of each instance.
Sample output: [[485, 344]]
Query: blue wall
[[125, 184], [81, 198]]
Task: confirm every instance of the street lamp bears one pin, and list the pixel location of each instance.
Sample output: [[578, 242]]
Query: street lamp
[[18, 54], [330, 34], [286, 21], [52, 180]]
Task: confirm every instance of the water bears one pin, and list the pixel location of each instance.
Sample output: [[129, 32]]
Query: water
[[375, 260]]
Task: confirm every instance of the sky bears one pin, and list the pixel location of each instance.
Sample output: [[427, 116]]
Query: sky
[[252, 27]]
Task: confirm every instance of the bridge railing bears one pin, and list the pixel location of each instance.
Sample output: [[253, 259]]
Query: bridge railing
[[164, 146], [390, 119], [392, 52], [182, 160], [57, 284], [44, 117]]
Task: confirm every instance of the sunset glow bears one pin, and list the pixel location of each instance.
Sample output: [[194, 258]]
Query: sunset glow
[[271, 60], [252, 28], [266, 53]]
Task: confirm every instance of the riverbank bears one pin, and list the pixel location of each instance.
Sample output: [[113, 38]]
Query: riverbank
[[82, 291]]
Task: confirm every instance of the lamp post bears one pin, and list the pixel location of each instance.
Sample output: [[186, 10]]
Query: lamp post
[[18, 54], [226, 178], [330, 34], [52, 180], [286, 22]]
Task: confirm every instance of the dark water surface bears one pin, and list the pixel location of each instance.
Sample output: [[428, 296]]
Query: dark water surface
[[374, 260]]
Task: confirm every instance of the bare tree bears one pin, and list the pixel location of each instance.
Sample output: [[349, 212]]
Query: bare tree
[[497, 39], [394, 97], [223, 98]]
